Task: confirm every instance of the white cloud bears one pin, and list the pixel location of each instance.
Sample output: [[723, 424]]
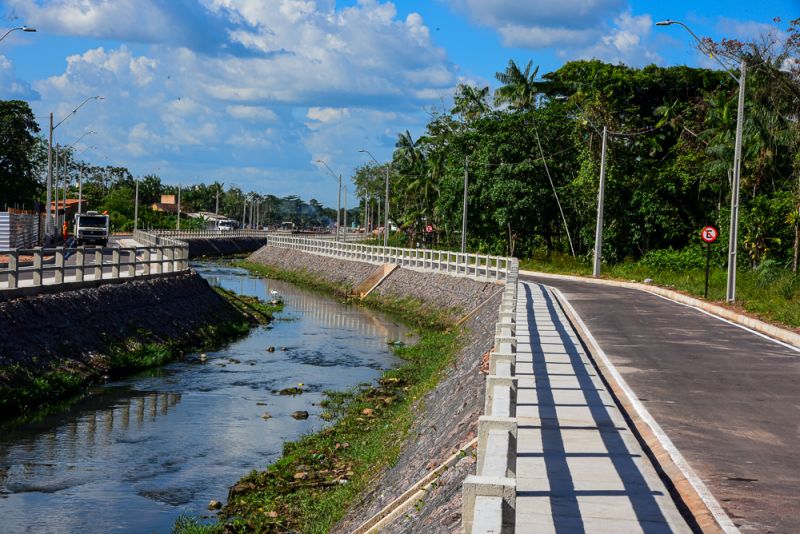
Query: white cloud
[[251, 113], [626, 42], [317, 75], [602, 29], [10, 86]]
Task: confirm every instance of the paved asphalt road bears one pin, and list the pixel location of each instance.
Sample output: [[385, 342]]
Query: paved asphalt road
[[728, 398]]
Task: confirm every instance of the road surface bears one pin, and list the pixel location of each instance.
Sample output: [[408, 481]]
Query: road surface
[[728, 398]]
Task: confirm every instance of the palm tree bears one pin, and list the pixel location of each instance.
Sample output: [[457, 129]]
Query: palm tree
[[519, 87], [470, 102]]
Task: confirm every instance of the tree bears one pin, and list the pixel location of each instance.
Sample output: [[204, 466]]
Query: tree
[[519, 87], [18, 143]]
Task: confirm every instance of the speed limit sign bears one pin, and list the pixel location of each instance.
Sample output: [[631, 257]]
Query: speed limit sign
[[709, 234]]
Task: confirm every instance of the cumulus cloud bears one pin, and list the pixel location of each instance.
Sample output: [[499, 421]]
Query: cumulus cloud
[[12, 88], [290, 80], [542, 23], [602, 29], [626, 42]]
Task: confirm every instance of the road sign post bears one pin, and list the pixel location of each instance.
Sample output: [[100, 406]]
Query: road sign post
[[708, 234]]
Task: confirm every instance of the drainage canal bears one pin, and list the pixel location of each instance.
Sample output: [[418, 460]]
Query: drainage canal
[[139, 452]]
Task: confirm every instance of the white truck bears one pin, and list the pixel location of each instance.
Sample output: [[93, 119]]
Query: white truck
[[91, 228]]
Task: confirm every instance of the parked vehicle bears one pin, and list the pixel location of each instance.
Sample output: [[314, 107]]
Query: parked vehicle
[[226, 226], [91, 228]]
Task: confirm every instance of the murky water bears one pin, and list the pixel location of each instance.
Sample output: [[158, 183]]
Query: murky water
[[140, 451]]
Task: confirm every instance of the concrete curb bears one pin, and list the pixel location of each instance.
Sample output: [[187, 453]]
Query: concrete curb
[[695, 495], [756, 325]]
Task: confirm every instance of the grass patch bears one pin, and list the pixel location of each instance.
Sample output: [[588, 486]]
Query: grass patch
[[255, 309], [769, 292]]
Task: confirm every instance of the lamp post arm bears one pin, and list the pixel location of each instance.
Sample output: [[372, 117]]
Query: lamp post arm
[[74, 111], [701, 46]]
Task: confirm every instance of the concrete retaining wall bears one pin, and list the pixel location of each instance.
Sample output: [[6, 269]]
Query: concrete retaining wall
[[71, 328], [223, 246]]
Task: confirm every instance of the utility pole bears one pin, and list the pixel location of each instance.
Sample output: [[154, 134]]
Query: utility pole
[[386, 211], [80, 191], [216, 206], [48, 224], [598, 233], [244, 212], [733, 238], [345, 212], [339, 209], [464, 214], [178, 223], [135, 207]]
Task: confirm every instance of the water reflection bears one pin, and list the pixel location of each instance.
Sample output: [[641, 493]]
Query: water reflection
[[138, 452]]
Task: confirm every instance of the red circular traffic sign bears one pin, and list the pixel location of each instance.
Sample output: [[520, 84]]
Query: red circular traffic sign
[[429, 228], [709, 234]]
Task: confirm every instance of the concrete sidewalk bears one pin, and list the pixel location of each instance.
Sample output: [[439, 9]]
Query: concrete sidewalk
[[579, 467]]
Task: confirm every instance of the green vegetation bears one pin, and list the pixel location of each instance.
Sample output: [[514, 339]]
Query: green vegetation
[[253, 308], [770, 291], [311, 487]]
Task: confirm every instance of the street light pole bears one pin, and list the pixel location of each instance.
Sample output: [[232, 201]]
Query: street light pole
[[339, 202], [733, 236], [464, 214], [22, 28], [733, 239], [178, 223], [136, 207], [385, 202], [48, 223], [598, 232]]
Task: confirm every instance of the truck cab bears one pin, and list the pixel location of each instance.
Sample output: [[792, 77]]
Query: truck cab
[[91, 228]]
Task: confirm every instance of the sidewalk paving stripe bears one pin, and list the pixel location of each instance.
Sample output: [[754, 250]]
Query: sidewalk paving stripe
[[579, 468]]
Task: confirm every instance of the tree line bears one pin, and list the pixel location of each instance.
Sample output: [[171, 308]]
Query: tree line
[[531, 152]]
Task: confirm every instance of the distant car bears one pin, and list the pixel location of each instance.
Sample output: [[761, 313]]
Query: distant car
[[225, 226]]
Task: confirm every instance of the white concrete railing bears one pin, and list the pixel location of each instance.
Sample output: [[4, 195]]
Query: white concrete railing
[[489, 496], [39, 266], [479, 266], [208, 234]]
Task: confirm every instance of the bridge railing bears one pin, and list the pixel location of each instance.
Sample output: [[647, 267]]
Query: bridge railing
[[479, 266], [489, 496], [47, 266], [208, 234]]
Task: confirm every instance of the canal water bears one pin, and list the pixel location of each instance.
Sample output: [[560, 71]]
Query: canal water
[[141, 451]]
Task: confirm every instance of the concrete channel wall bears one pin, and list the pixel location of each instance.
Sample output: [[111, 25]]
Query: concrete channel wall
[[450, 417], [73, 329]]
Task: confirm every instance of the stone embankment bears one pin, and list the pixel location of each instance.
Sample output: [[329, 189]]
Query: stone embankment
[[221, 246], [447, 416], [70, 329], [446, 293]]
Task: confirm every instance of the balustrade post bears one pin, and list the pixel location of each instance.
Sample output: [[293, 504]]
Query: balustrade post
[[13, 269], [80, 259], [37, 266], [115, 263], [59, 266], [131, 263], [146, 261], [98, 263]]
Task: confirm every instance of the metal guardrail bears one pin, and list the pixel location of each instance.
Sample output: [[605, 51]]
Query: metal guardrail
[[479, 266], [489, 496], [47, 266]]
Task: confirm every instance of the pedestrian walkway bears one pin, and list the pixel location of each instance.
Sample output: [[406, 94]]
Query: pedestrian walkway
[[579, 468]]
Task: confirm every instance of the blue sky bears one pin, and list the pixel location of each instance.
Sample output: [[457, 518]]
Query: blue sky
[[254, 92]]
